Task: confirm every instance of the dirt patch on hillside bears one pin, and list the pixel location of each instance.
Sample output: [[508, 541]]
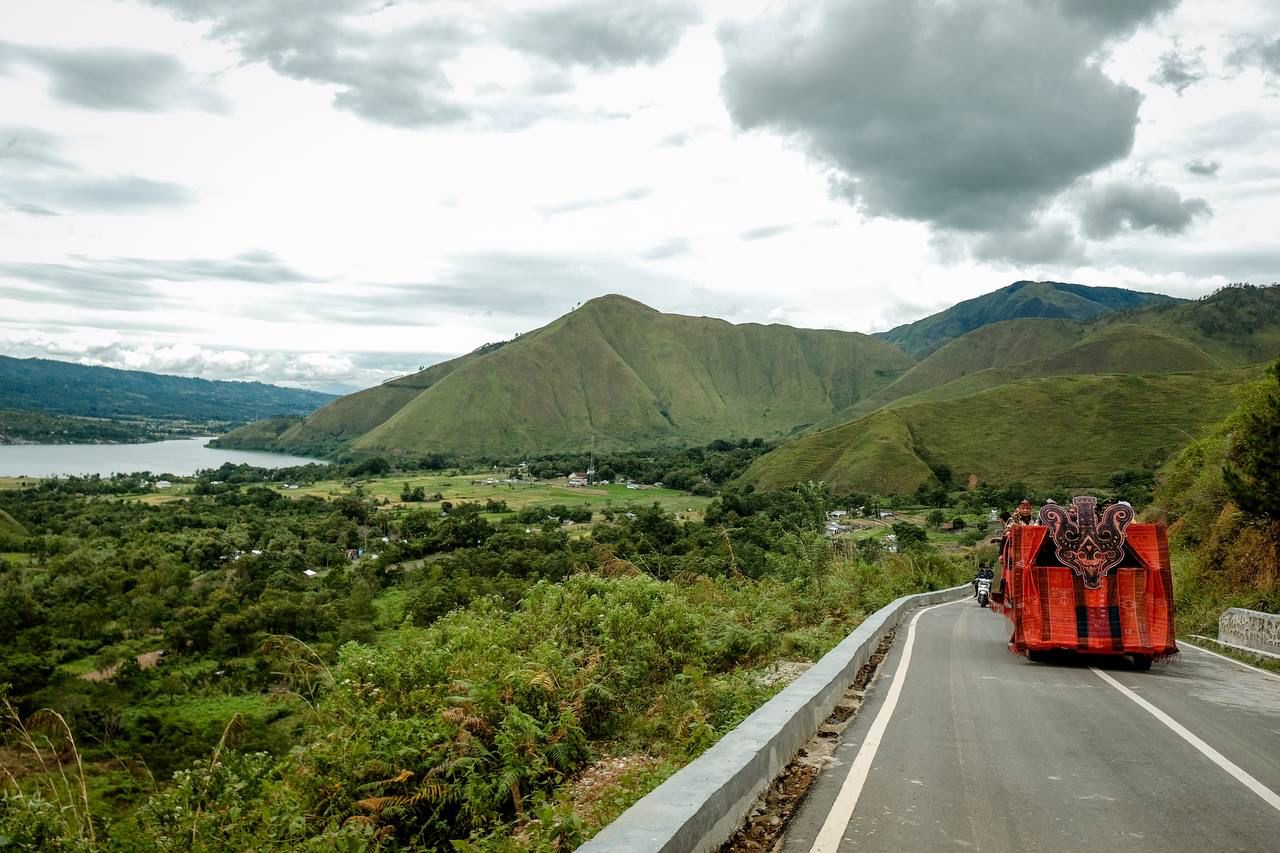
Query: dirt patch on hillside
[[146, 660]]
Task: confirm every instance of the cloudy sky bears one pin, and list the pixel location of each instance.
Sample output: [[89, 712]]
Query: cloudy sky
[[329, 192]]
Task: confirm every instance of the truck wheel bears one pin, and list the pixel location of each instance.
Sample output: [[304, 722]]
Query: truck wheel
[[1142, 663], [1037, 657]]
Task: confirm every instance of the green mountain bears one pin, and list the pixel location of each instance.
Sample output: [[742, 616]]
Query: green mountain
[[62, 388], [613, 368], [1043, 299], [1121, 392]]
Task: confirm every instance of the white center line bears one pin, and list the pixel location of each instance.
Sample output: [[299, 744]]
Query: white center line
[[1268, 796], [841, 813]]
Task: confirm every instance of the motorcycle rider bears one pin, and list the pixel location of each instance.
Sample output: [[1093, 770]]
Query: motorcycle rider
[[984, 572]]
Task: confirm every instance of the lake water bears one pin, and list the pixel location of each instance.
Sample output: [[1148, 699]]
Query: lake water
[[181, 457]]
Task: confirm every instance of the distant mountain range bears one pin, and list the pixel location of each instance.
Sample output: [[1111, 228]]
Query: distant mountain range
[[1040, 381], [62, 388], [1045, 299]]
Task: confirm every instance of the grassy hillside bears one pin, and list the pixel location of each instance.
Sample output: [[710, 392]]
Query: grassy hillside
[[9, 526], [1069, 430], [1222, 557], [632, 375], [1000, 344], [1232, 328], [1045, 299], [342, 420], [58, 387], [614, 368]]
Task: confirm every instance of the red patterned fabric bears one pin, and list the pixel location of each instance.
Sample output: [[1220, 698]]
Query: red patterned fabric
[[1131, 611]]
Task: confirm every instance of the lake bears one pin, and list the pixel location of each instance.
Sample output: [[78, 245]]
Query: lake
[[181, 457]]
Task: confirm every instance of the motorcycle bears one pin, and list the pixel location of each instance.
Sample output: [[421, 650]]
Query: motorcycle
[[984, 591]]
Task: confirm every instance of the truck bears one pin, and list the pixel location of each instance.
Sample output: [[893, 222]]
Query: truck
[[1089, 580]]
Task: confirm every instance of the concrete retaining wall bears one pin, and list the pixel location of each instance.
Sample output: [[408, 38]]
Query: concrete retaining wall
[[705, 802], [1250, 629]]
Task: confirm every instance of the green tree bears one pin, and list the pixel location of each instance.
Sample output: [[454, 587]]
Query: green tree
[[1252, 472], [909, 535]]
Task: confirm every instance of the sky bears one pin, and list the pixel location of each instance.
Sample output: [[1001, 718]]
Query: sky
[[328, 193]]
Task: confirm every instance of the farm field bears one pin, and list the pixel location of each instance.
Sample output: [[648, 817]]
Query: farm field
[[469, 488]]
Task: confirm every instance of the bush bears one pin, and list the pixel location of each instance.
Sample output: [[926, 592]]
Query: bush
[[1252, 473], [909, 535]]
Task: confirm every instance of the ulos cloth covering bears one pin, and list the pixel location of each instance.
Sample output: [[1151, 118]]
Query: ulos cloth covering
[[1130, 613]]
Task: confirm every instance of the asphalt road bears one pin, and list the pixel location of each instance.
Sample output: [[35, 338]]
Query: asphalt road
[[980, 750]]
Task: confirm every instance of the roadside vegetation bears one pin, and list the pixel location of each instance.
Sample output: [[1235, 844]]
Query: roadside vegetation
[[388, 656], [1221, 496], [234, 664]]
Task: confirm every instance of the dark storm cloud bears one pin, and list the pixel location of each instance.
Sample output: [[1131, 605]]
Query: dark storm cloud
[[1205, 168], [1051, 243], [635, 194], [116, 79], [764, 232], [393, 77], [1123, 205], [1178, 70], [1115, 17], [939, 112], [603, 33]]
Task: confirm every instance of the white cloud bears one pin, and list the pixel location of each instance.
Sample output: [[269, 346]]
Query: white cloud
[[319, 229]]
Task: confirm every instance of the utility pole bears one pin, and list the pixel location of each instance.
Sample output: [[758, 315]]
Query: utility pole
[[591, 461]]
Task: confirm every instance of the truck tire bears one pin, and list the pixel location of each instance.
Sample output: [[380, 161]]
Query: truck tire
[[1142, 663], [1037, 656]]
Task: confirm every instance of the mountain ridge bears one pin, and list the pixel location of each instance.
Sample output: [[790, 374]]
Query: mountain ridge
[[617, 369], [1022, 299], [65, 388]]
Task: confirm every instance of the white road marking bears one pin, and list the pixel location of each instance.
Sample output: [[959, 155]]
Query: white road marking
[[841, 813], [1230, 659], [1268, 796]]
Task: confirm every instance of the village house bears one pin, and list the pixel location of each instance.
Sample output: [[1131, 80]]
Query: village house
[[577, 479]]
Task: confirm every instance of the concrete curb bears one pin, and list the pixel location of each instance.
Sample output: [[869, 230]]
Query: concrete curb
[[1250, 630], [703, 804]]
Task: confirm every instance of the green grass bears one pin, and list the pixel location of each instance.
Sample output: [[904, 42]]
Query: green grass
[[1071, 430], [9, 526], [202, 710], [997, 345], [460, 488]]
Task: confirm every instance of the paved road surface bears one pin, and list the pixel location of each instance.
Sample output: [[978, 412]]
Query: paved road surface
[[985, 751]]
